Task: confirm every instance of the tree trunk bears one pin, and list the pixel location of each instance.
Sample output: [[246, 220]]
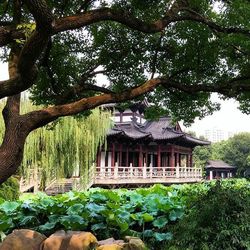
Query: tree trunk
[[16, 127], [11, 150]]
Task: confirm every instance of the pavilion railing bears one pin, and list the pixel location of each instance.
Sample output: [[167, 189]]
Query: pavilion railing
[[118, 172]]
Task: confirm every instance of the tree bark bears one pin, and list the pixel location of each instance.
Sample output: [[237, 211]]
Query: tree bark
[[16, 130], [11, 150]]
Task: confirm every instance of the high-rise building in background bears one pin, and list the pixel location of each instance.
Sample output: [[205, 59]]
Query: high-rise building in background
[[217, 135]]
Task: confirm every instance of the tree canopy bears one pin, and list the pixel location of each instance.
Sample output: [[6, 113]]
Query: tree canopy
[[235, 151], [180, 50]]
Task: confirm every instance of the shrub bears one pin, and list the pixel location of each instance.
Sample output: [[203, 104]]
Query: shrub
[[9, 190], [219, 219]]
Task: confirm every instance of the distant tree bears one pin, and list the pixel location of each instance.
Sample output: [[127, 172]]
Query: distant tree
[[237, 152], [201, 155], [218, 150], [192, 133], [202, 137]]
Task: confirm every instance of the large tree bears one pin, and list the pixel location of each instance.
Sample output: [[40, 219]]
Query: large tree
[[181, 50]]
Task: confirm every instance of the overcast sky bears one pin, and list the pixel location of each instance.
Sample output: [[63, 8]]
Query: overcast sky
[[229, 118]]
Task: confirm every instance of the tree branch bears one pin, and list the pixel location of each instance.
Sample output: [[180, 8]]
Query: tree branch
[[97, 15], [120, 16], [195, 16], [155, 57], [77, 89], [8, 34], [41, 117], [31, 51], [44, 20], [228, 88]]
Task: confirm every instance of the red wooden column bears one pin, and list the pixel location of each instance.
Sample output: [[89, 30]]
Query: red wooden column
[[172, 160], [159, 156], [177, 158], [120, 157], [191, 160], [98, 161], [127, 163], [113, 156], [140, 156]]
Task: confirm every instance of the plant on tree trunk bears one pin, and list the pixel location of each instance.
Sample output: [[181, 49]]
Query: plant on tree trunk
[[181, 50]]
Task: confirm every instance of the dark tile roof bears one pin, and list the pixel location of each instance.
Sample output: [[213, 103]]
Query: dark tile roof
[[154, 130], [218, 164]]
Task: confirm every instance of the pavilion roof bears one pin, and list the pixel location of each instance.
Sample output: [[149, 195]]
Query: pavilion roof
[[218, 164], [163, 129]]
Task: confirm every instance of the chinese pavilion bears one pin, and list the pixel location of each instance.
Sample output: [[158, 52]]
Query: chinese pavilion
[[144, 152], [218, 169]]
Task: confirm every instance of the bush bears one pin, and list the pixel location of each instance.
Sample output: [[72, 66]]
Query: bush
[[220, 219], [9, 190]]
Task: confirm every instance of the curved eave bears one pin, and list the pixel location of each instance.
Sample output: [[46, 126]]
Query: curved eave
[[167, 137], [114, 132], [123, 134], [196, 141], [220, 167]]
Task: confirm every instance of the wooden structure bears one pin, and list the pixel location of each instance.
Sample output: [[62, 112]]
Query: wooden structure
[[219, 170], [145, 152], [138, 153]]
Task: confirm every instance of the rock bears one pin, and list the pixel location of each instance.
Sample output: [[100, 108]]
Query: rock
[[134, 243], [110, 244], [23, 239], [110, 247], [110, 241], [130, 243], [70, 240]]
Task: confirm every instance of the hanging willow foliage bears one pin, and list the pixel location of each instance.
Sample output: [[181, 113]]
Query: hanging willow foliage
[[64, 148]]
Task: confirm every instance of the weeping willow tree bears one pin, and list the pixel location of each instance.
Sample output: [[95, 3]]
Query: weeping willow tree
[[64, 148]]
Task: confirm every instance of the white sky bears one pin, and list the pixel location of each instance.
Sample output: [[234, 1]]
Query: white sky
[[229, 118]]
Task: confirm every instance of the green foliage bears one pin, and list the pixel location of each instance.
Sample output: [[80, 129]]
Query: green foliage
[[9, 190], [28, 28], [154, 214], [64, 146], [128, 57], [218, 219], [142, 212], [202, 155], [235, 151]]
